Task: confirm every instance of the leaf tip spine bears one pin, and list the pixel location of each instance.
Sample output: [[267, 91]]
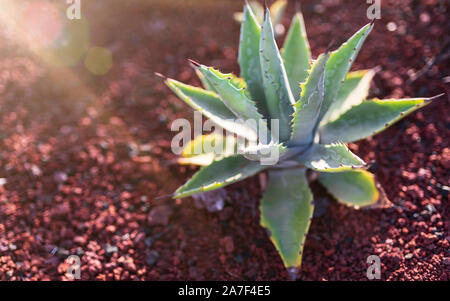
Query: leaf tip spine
[[160, 75], [330, 45], [194, 63], [434, 97], [298, 7], [164, 197]]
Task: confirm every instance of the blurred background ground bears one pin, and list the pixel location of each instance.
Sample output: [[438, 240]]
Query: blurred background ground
[[83, 156]]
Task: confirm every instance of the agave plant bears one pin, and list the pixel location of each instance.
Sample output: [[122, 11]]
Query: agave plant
[[320, 106]]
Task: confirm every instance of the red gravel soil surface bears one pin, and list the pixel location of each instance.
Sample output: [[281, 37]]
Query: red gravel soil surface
[[83, 157]]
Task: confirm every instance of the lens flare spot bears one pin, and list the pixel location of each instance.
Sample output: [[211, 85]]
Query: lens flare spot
[[41, 22], [70, 46], [98, 60], [391, 26]]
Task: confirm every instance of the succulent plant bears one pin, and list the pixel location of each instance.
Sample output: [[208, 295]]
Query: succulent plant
[[320, 106]]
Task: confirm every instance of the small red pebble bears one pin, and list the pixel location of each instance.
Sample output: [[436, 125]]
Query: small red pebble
[[228, 244], [329, 252], [111, 228], [79, 240]]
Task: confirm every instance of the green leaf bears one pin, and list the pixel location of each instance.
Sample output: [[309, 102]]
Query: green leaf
[[267, 154], [232, 95], [204, 81], [239, 83], [368, 118], [205, 149], [354, 188], [354, 91], [211, 106], [276, 86], [296, 54], [331, 158], [219, 174], [249, 61], [307, 109], [286, 211], [339, 64]]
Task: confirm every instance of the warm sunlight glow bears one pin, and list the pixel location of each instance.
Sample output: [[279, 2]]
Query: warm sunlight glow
[[43, 28], [41, 23]]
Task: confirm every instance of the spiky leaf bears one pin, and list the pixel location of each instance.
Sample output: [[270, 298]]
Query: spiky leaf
[[238, 82], [354, 188], [276, 86], [339, 64], [296, 55], [307, 109], [353, 91], [211, 106], [219, 174], [249, 60], [331, 158], [204, 81], [286, 211], [267, 154], [204, 149], [232, 95], [368, 118]]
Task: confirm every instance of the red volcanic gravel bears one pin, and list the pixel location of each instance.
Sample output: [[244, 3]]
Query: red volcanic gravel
[[82, 158]]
